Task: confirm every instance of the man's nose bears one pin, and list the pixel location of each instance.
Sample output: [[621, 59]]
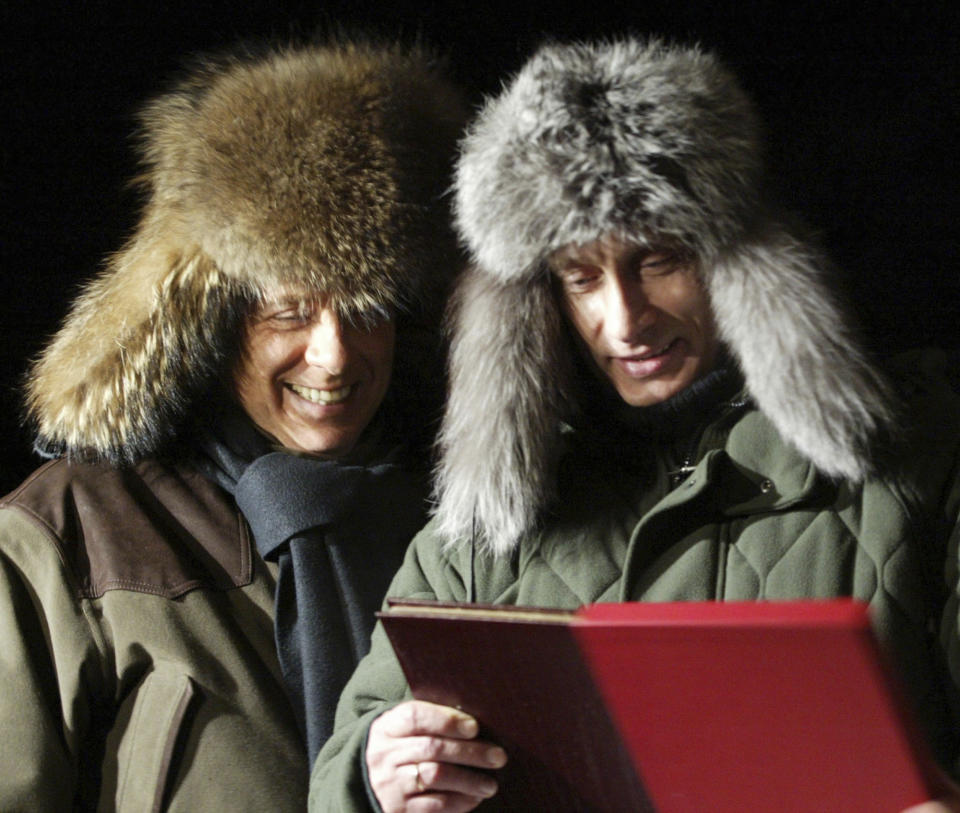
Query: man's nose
[[327, 344], [628, 310]]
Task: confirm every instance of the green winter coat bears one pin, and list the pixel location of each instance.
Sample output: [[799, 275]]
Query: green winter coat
[[752, 520], [138, 666]]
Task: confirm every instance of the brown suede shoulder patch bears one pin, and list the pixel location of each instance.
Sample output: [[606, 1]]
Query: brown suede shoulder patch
[[151, 528]]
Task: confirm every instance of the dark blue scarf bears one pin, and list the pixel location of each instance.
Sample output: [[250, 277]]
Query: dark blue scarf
[[338, 531]]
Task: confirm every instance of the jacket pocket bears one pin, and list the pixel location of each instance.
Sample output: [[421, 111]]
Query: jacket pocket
[[147, 753]]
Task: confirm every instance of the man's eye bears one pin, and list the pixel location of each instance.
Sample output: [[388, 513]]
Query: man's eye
[[287, 317], [580, 279], [295, 315], [659, 264]]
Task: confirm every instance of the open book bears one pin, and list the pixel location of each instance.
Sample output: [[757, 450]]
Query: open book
[[695, 706]]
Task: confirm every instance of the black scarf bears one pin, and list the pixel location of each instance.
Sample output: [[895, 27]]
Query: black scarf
[[338, 531]]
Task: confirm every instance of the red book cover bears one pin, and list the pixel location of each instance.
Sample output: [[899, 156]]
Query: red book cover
[[520, 673], [697, 706]]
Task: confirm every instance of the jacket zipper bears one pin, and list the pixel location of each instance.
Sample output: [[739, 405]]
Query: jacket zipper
[[682, 472]]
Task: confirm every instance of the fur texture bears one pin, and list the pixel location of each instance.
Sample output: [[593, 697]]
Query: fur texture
[[320, 168], [645, 141]]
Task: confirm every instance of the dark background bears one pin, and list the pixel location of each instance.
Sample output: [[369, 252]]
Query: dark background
[[860, 101]]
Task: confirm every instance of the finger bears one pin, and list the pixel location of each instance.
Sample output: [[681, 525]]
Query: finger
[[414, 781], [433, 777], [446, 802], [469, 753], [420, 717], [936, 806]]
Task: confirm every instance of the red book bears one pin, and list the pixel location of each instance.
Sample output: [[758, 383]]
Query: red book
[[695, 706]]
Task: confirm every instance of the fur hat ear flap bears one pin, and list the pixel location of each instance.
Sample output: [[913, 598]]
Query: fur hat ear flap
[[499, 437], [138, 346], [801, 359]]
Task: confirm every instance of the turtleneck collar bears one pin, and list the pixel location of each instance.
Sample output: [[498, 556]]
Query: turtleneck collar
[[609, 430], [683, 412], [602, 407]]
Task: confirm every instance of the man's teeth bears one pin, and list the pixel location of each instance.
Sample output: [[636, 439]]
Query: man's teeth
[[321, 396], [655, 353]]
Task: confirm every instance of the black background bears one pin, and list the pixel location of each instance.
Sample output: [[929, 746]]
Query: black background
[[860, 101]]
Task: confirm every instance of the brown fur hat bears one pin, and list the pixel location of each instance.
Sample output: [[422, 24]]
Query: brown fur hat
[[322, 168]]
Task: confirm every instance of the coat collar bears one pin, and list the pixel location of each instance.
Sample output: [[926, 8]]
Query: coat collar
[[150, 528], [755, 471]]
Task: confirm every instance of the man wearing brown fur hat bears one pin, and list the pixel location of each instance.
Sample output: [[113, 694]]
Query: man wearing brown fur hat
[[655, 396], [239, 409]]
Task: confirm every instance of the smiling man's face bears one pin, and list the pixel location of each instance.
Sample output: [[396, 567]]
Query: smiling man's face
[[643, 316], [308, 378]]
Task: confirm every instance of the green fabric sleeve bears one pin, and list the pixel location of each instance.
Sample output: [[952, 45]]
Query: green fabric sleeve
[[949, 632], [48, 666]]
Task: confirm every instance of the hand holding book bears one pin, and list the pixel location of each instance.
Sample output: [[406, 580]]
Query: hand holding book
[[421, 749], [676, 707]]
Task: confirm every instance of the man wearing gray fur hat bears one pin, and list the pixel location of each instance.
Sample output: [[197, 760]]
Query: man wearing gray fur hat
[[655, 396], [240, 409]]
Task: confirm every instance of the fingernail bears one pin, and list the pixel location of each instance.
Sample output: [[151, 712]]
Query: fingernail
[[467, 727], [488, 788], [496, 757]]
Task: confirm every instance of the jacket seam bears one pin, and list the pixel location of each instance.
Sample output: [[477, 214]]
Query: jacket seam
[[167, 758], [879, 566], [140, 586], [246, 554], [723, 552], [81, 600], [50, 534], [95, 591]]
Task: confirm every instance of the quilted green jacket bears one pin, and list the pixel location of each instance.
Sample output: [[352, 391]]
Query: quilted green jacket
[[752, 520]]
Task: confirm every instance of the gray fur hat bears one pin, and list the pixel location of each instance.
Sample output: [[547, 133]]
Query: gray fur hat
[[322, 168], [646, 141]]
